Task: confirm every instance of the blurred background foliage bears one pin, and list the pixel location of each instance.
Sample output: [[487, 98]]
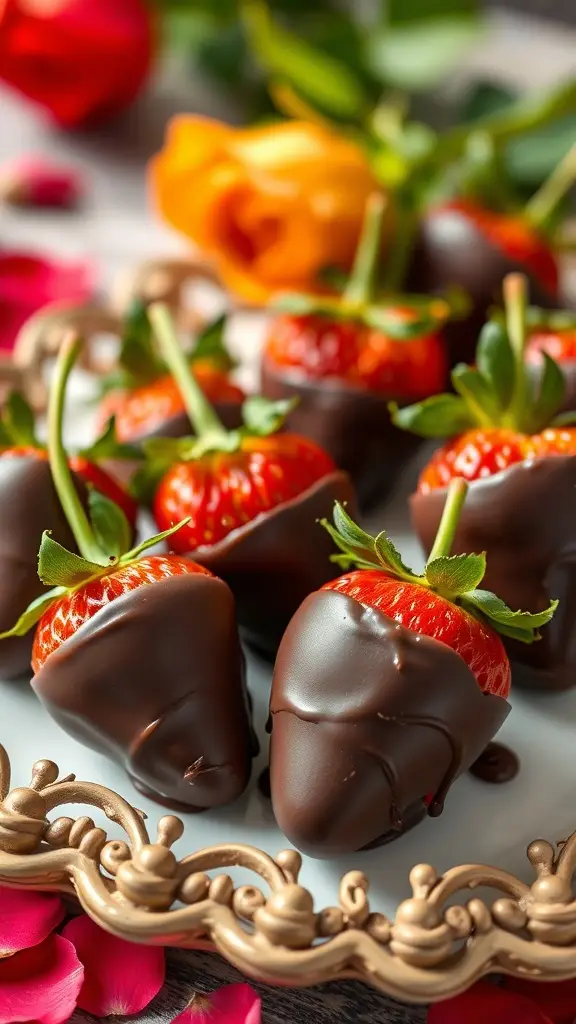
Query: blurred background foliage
[[357, 63]]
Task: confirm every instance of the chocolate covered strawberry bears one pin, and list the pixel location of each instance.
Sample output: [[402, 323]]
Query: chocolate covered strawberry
[[252, 496], [29, 504], [473, 242], [554, 332], [137, 655], [388, 684], [143, 397], [345, 357], [520, 455]]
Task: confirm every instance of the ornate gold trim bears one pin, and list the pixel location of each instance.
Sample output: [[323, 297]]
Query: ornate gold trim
[[138, 890]]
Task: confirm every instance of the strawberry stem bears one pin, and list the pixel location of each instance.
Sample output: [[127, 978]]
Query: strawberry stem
[[455, 499], [515, 300], [540, 209], [207, 425], [61, 473], [358, 291]]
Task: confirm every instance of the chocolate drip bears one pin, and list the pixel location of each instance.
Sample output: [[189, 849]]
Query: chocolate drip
[[353, 425], [496, 764], [155, 681], [367, 719], [275, 561], [28, 506], [451, 251], [524, 519]]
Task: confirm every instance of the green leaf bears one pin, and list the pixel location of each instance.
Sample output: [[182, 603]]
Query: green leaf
[[361, 550], [210, 345], [34, 612], [325, 80], [135, 553], [107, 446], [478, 395], [391, 559], [439, 416], [145, 482], [531, 157], [262, 417], [293, 302], [168, 450], [18, 421], [417, 54], [550, 395], [517, 625], [485, 98], [495, 361], [385, 319], [352, 534], [564, 419], [138, 356], [111, 528], [453, 575], [58, 567]]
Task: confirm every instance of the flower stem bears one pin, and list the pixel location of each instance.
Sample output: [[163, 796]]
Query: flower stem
[[515, 300], [541, 208], [201, 414], [455, 499], [61, 473], [360, 285]]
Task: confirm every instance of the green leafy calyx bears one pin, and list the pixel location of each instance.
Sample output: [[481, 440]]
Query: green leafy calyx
[[17, 424], [455, 577], [501, 390]]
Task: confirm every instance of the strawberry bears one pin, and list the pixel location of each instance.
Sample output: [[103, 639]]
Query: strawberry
[[145, 680], [554, 332], [499, 415], [237, 487], [387, 685], [344, 356], [143, 397]]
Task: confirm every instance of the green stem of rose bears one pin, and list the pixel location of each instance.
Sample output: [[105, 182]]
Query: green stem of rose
[[515, 302], [541, 208], [455, 499], [61, 473], [360, 286], [206, 423]]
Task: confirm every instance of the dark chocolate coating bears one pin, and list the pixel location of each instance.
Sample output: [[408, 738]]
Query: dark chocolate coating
[[450, 250], [368, 718], [28, 506], [351, 424], [155, 681], [496, 764], [277, 559], [524, 518]]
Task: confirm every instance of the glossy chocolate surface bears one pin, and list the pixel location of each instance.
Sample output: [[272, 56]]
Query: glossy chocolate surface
[[155, 680], [496, 764], [368, 718], [450, 250], [352, 425], [28, 506], [524, 518], [277, 559]]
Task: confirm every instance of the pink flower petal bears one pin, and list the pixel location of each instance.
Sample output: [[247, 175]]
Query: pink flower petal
[[40, 984], [27, 918], [28, 282], [232, 1004], [35, 181], [120, 978]]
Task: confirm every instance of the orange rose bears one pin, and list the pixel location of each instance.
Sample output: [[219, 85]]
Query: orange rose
[[270, 206]]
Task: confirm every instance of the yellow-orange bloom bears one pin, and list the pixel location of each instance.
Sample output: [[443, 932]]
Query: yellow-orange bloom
[[269, 206]]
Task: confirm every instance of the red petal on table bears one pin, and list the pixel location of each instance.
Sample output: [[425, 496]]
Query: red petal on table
[[556, 999], [26, 918], [487, 1004], [120, 978], [232, 1004], [35, 181], [28, 282], [40, 984]]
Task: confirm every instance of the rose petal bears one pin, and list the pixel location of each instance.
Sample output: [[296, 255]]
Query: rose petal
[[28, 282], [40, 984], [557, 999], [35, 181], [232, 1004], [27, 918], [120, 978], [486, 1004]]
